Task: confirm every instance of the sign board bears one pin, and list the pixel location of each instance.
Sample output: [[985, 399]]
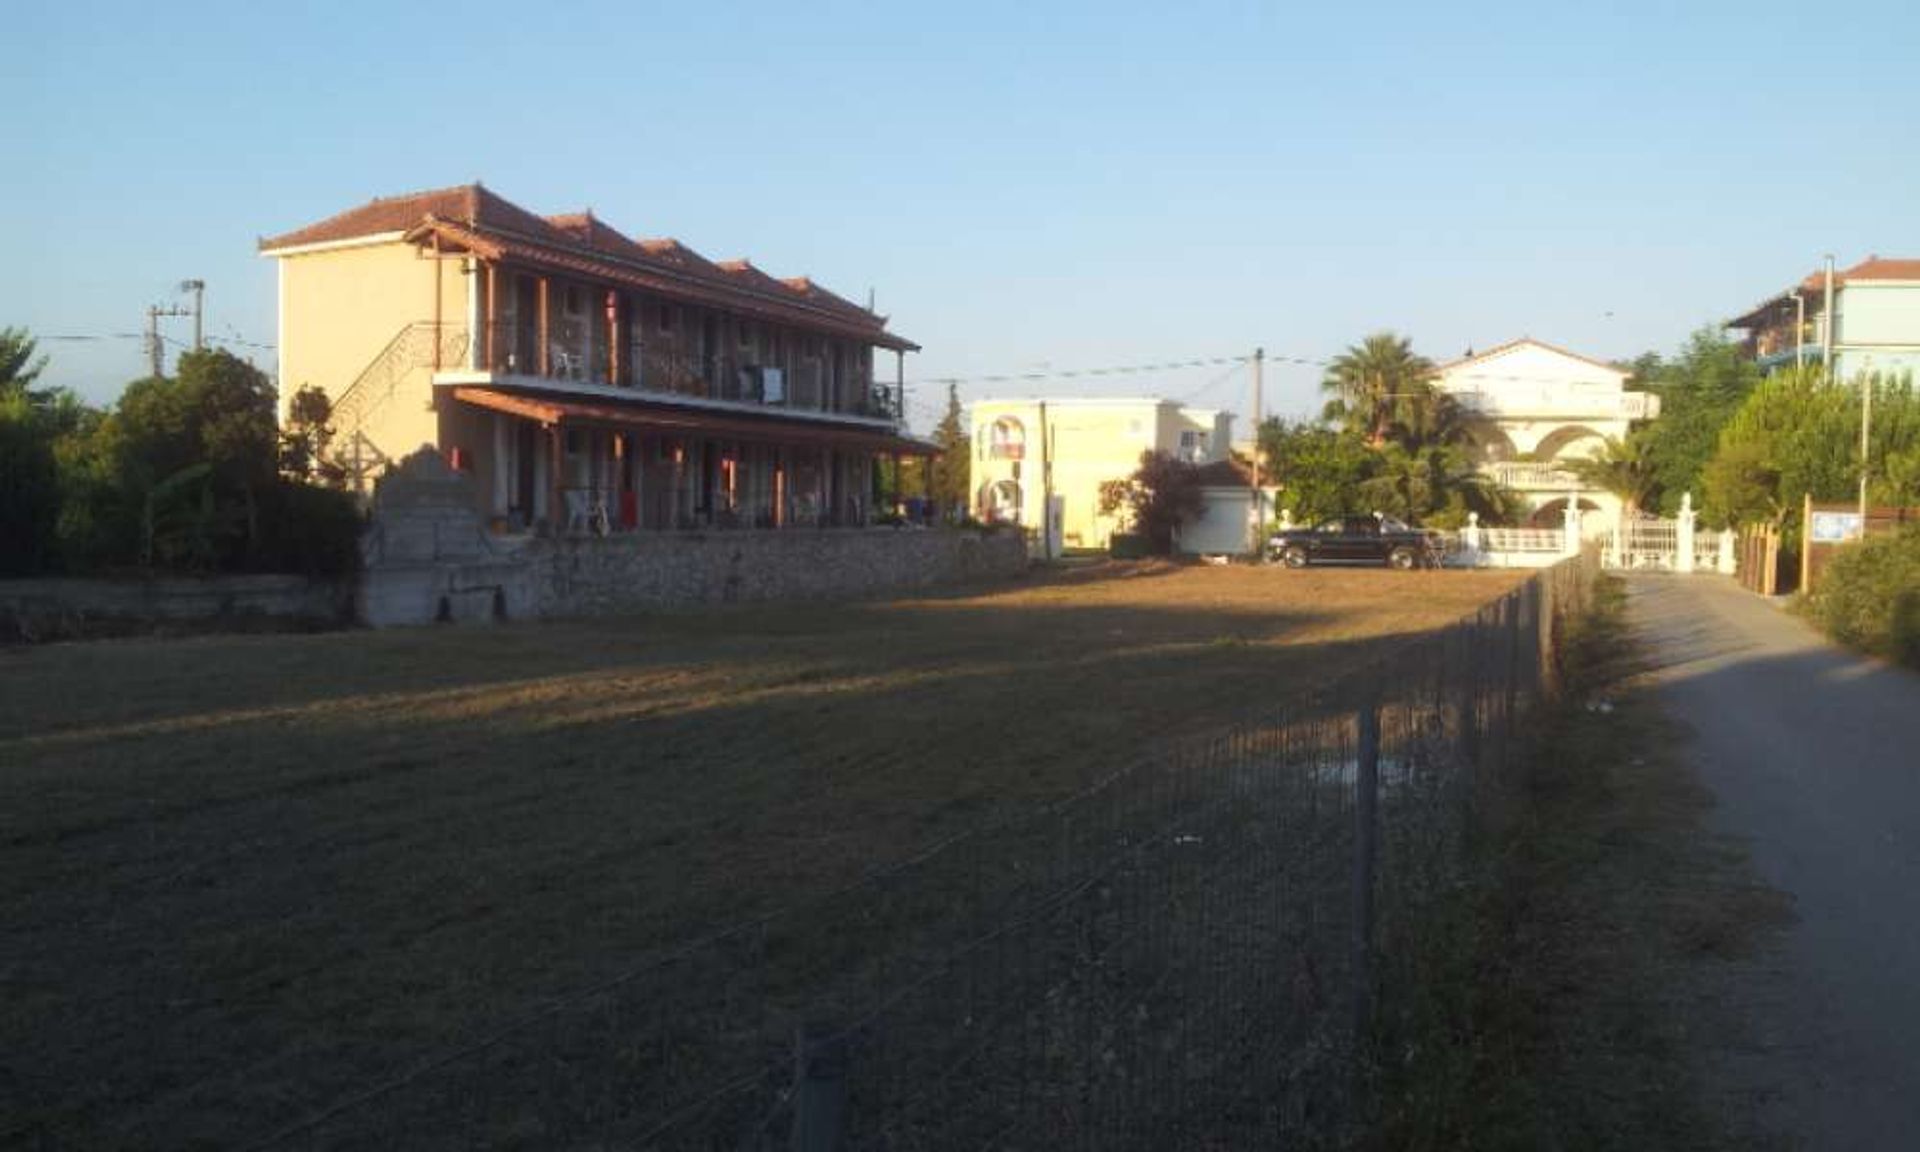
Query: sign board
[[1833, 527]]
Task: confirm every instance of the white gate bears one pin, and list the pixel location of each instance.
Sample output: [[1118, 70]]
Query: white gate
[[1644, 543]]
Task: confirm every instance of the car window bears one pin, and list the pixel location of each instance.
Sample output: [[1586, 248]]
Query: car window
[[1363, 526], [1389, 524], [1331, 527]]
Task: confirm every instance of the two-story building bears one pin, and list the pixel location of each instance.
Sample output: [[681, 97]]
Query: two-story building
[[1876, 321], [582, 377], [1532, 407], [1024, 449]]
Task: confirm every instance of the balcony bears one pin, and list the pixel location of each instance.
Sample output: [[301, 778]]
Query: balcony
[[1536, 477], [1559, 402], [572, 361]]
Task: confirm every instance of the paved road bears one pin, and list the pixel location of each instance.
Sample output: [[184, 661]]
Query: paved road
[[1814, 755]]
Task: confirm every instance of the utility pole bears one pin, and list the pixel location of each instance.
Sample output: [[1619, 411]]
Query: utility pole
[[1866, 423], [1826, 325], [199, 290], [1046, 485], [156, 355], [1259, 507]]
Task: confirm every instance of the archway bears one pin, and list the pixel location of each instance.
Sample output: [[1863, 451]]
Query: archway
[[1492, 444], [1569, 442], [1007, 440], [1000, 502], [1553, 514]]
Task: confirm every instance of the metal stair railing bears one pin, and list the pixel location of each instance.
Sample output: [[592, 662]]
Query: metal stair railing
[[412, 348]]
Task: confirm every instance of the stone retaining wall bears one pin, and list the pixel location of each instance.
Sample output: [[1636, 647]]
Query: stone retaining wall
[[429, 558], [654, 570], [57, 609]]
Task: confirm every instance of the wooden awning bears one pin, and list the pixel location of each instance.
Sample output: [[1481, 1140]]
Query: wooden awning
[[664, 419]]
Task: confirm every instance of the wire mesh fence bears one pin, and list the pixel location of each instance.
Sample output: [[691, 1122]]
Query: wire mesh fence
[[1186, 954]]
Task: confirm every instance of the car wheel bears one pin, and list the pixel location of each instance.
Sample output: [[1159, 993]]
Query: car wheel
[[1402, 558], [1294, 556]]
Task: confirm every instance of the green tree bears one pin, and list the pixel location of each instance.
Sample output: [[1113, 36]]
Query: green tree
[[192, 459], [1376, 383], [1162, 494], [38, 427], [1318, 469], [1793, 435], [1699, 392], [306, 442], [1624, 466], [19, 365], [29, 488], [950, 469]]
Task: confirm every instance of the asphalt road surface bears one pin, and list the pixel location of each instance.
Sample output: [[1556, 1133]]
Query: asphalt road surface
[[1814, 756]]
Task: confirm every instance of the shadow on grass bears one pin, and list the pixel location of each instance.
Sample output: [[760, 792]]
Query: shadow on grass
[[343, 870]]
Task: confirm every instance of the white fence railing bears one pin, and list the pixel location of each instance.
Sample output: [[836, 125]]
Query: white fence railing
[[1639, 544]]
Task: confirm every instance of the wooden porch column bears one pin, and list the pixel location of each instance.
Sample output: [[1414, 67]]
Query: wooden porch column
[[439, 321], [614, 342], [491, 343], [543, 352]]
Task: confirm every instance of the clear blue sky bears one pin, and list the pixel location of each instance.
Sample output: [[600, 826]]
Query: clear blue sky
[[1026, 184]]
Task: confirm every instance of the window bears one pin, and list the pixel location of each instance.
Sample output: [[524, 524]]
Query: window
[[1193, 446], [666, 317], [1008, 440]]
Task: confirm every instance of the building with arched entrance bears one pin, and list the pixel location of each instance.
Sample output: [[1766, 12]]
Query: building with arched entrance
[[1532, 407], [1068, 447]]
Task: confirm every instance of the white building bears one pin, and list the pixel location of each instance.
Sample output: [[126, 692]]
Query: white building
[[1070, 446], [1876, 321], [1534, 406]]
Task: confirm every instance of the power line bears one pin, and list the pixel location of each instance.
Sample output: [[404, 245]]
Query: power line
[[1199, 362]]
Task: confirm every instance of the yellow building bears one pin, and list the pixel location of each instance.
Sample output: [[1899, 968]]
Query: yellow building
[[1070, 446], [584, 378]]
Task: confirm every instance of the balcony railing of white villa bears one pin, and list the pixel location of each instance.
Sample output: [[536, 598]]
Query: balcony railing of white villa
[[1595, 403], [1536, 477]]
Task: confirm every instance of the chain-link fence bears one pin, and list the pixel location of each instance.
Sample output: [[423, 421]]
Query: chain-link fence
[[1183, 955]]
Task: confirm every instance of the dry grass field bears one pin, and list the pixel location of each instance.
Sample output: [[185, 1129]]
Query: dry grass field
[[242, 877]]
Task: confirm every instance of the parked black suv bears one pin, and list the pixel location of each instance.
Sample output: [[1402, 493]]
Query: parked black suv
[[1356, 540]]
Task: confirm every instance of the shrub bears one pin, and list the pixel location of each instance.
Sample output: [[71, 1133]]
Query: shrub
[[310, 530], [29, 491], [1869, 597]]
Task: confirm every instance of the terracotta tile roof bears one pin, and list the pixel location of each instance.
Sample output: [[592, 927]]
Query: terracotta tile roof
[[1229, 473], [1872, 268], [582, 242], [472, 204]]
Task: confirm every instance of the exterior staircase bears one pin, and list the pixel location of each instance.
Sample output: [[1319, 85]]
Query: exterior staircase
[[418, 346]]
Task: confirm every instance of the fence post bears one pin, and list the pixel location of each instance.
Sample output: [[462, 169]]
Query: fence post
[[1366, 826], [819, 1090]]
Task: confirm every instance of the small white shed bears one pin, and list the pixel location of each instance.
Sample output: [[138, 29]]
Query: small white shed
[[1226, 526]]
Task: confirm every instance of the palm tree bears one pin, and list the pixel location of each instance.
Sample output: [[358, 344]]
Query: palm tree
[[1374, 382], [1623, 467]]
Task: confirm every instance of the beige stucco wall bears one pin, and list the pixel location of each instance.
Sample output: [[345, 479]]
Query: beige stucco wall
[[341, 307]]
